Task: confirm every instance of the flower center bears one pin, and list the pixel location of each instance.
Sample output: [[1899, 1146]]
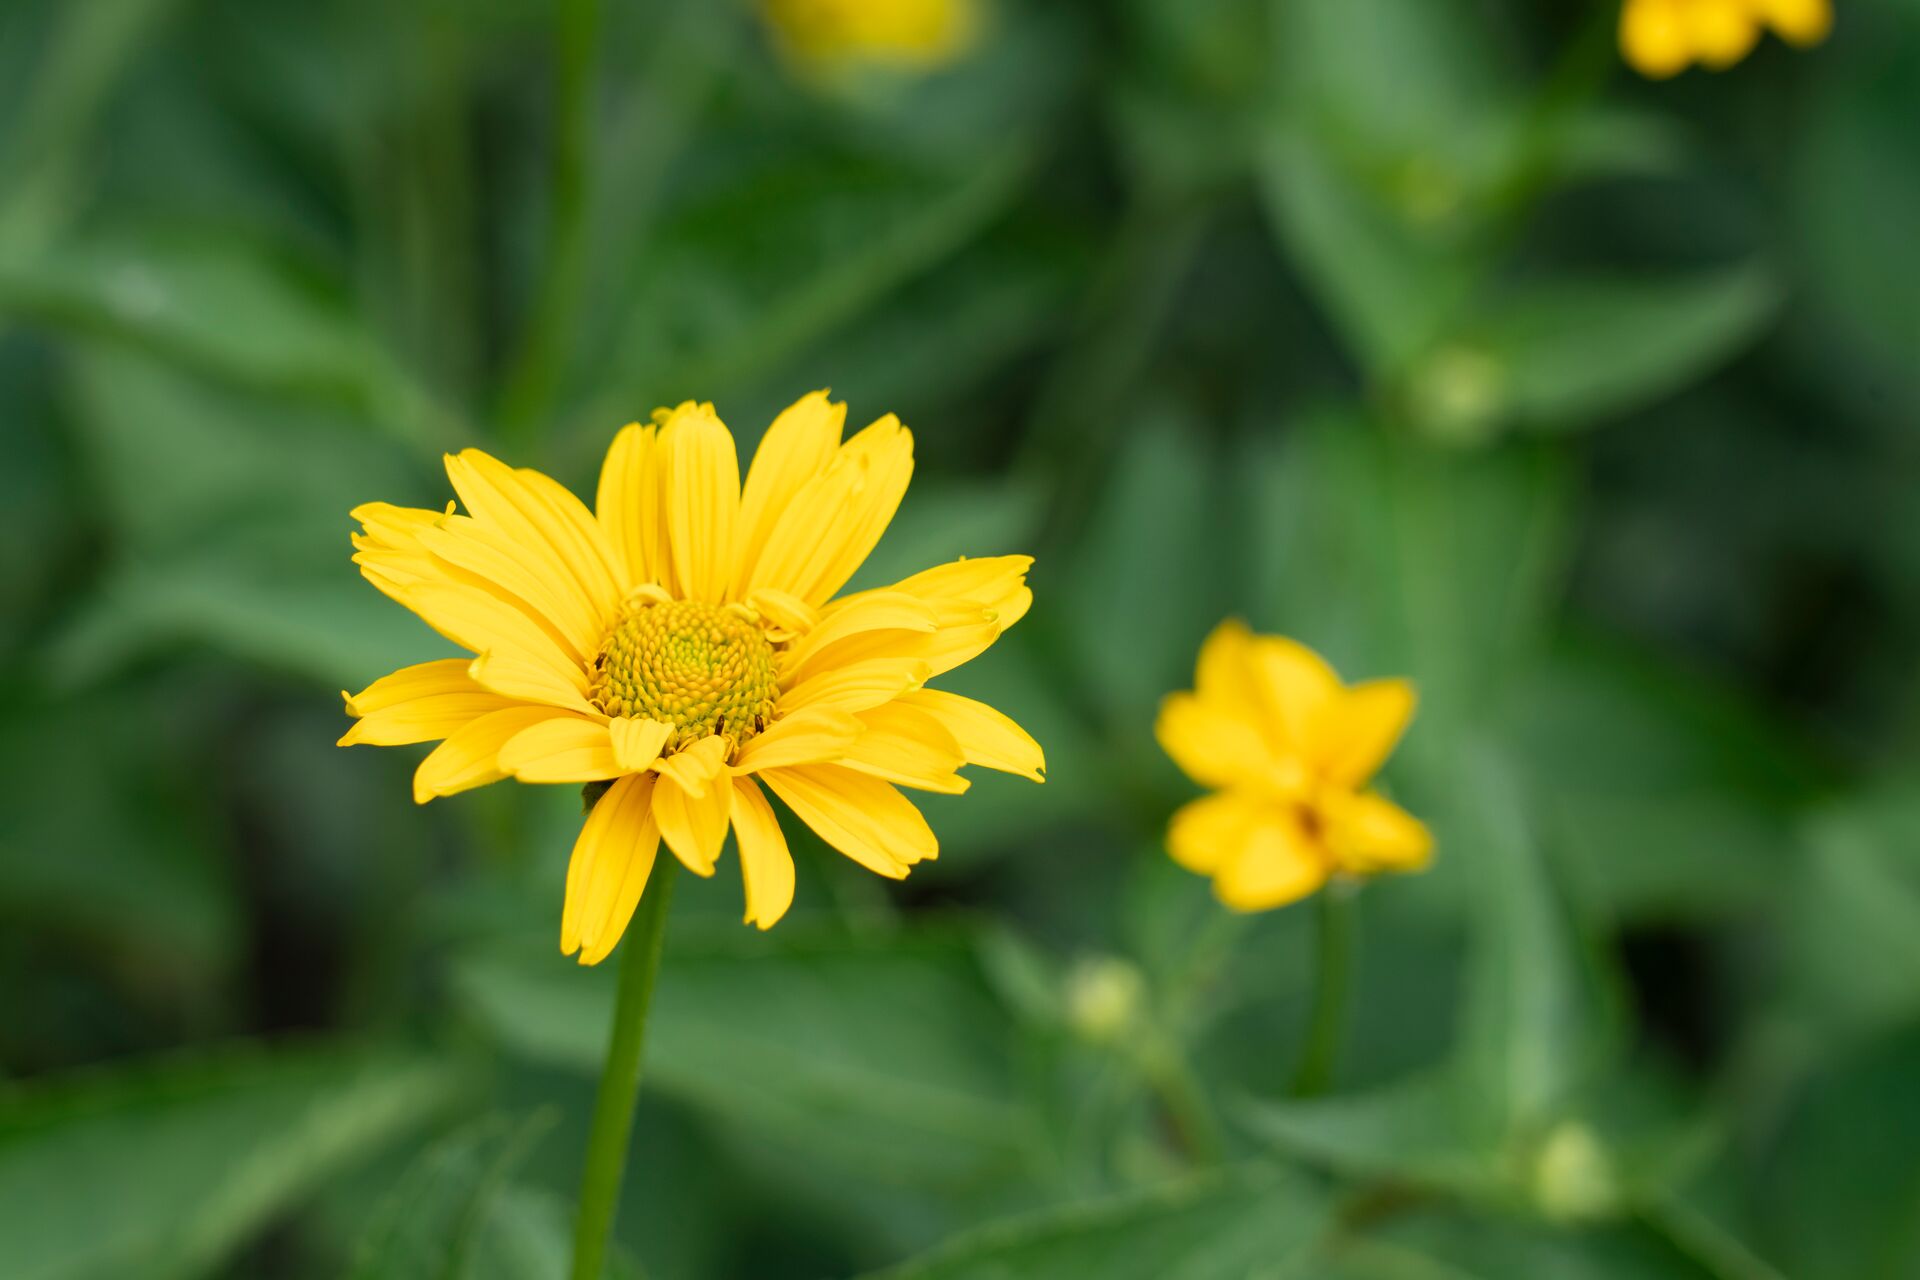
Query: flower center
[[701, 669]]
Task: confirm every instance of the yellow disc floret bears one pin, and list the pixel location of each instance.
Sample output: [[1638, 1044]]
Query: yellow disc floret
[[700, 668]]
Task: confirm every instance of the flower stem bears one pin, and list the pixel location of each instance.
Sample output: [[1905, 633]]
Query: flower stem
[[612, 1131], [1333, 958]]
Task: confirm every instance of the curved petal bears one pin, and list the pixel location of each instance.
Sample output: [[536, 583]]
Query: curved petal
[[1214, 748], [985, 736], [807, 736], [1367, 832], [880, 611], [766, 868], [1802, 22], [798, 446], [702, 501], [861, 816], [857, 686], [627, 504], [563, 749], [1277, 864], [1654, 38], [837, 517], [531, 510], [692, 803], [612, 859], [470, 757], [1207, 834], [637, 742], [996, 584], [481, 622], [1721, 31], [525, 678], [420, 703], [1361, 729], [910, 747], [570, 615], [1296, 689]]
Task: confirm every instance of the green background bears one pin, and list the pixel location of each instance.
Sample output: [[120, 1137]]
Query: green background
[[1420, 330]]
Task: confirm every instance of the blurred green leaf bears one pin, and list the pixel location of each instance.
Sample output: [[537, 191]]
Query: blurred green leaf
[[162, 1170], [1839, 1196], [1252, 1221], [1391, 556], [1661, 798], [1443, 1243], [1569, 353], [458, 1214], [889, 1054]]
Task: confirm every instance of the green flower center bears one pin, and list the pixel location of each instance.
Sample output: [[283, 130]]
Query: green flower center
[[699, 668]]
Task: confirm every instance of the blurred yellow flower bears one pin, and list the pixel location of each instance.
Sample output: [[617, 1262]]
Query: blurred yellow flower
[[680, 645], [1661, 38], [911, 34], [1289, 749]]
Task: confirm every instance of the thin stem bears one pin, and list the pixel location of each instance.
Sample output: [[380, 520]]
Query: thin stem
[[1333, 961], [620, 1082], [1185, 1102]]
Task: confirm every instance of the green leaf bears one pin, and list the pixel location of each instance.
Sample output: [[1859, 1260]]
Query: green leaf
[[1661, 798], [1446, 1243], [457, 1215], [1839, 1199], [888, 1054], [212, 302], [162, 1170], [1251, 1221], [1571, 353]]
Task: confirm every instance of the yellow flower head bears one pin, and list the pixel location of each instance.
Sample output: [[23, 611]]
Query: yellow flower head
[[1289, 750], [681, 644], [909, 34], [1662, 38]]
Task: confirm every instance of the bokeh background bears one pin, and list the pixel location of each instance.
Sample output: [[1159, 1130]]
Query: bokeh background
[[1421, 330]]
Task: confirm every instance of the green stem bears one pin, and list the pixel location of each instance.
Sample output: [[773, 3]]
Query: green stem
[[1333, 961], [620, 1081], [1185, 1103]]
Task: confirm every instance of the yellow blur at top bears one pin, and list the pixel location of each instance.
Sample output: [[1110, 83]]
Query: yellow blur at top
[[908, 34], [1661, 38]]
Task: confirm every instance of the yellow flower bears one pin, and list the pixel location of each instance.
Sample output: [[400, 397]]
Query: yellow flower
[[1661, 38], [1289, 749], [910, 34], [680, 645]]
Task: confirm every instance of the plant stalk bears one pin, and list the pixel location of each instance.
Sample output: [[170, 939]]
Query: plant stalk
[[612, 1131], [1333, 964]]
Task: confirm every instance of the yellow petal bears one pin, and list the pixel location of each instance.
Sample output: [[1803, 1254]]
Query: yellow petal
[[563, 749], [798, 446], [549, 597], [1296, 688], [857, 686], [996, 584], [766, 868], [1204, 835], [692, 803], [1654, 38], [1361, 729], [608, 871], [479, 621], [861, 816], [702, 501], [525, 678], [1803, 22], [789, 613], [985, 736], [881, 611], [419, 704], [807, 736], [1367, 832], [1721, 31], [908, 746], [637, 742], [1276, 864], [470, 757], [835, 518], [1214, 748], [950, 644], [627, 505], [698, 766], [1224, 674], [531, 510]]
